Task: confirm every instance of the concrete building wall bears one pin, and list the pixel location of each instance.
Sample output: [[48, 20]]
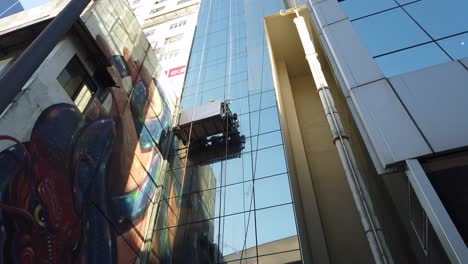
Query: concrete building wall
[[101, 209], [321, 191], [413, 115], [381, 103], [42, 90]]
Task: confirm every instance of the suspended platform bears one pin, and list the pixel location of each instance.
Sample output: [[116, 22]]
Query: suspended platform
[[211, 128]]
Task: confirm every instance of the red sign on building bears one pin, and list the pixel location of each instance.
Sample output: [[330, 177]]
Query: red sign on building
[[176, 71]]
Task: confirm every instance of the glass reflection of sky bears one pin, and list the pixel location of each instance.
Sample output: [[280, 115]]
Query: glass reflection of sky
[[441, 18], [389, 31], [412, 59], [247, 196], [11, 7], [456, 46], [360, 8], [27, 4], [399, 36]]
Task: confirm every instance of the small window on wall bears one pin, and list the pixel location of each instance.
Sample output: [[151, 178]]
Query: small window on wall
[[178, 24], [169, 55], [157, 9], [150, 33], [173, 39], [183, 1], [77, 83]]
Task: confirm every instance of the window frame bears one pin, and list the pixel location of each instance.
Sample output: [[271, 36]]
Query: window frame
[[87, 81]]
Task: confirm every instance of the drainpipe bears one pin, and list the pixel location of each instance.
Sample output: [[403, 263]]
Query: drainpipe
[[371, 225]]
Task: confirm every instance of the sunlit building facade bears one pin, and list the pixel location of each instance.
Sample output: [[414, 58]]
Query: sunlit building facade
[[397, 73]]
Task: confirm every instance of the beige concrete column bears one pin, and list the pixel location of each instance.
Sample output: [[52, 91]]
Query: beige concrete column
[[312, 238]]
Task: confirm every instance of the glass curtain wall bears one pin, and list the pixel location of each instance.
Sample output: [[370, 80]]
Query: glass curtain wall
[[406, 35], [231, 206]]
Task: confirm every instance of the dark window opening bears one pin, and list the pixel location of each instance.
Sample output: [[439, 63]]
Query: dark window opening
[[449, 177], [77, 83]]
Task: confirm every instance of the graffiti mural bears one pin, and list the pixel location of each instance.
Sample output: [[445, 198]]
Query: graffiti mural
[[80, 189]]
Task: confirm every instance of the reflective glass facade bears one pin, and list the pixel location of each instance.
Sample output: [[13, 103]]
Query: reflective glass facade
[[405, 35], [230, 206]]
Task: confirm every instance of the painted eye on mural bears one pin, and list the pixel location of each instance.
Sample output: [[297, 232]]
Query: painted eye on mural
[[39, 215]]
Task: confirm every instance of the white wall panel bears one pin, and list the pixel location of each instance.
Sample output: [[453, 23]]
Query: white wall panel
[[436, 98]]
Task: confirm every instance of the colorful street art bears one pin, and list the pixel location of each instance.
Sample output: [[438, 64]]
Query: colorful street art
[[79, 190]]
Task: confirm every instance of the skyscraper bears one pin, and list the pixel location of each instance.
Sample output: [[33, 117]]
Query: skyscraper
[[229, 61]]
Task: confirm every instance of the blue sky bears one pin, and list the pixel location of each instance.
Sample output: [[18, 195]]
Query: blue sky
[[32, 3]]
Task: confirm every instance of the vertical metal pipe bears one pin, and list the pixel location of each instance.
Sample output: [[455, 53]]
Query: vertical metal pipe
[[371, 225], [16, 76]]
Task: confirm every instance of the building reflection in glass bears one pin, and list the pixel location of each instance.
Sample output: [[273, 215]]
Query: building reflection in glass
[[234, 204]]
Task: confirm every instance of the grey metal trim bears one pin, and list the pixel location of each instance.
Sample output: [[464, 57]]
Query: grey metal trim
[[446, 231]]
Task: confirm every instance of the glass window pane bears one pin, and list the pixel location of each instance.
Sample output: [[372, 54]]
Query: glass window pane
[[244, 124], [267, 81], [269, 162], [276, 225], [83, 97], [359, 8], [268, 99], [237, 90], [238, 64], [263, 100], [172, 187], [200, 206], [411, 59], [195, 241], [237, 237], [269, 121], [285, 257], [213, 72], [238, 169], [240, 106], [441, 18], [215, 53], [213, 94], [267, 140], [272, 191], [168, 216], [457, 46], [252, 260], [402, 2], [162, 244], [72, 77], [237, 198], [389, 31], [270, 139], [254, 102]]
